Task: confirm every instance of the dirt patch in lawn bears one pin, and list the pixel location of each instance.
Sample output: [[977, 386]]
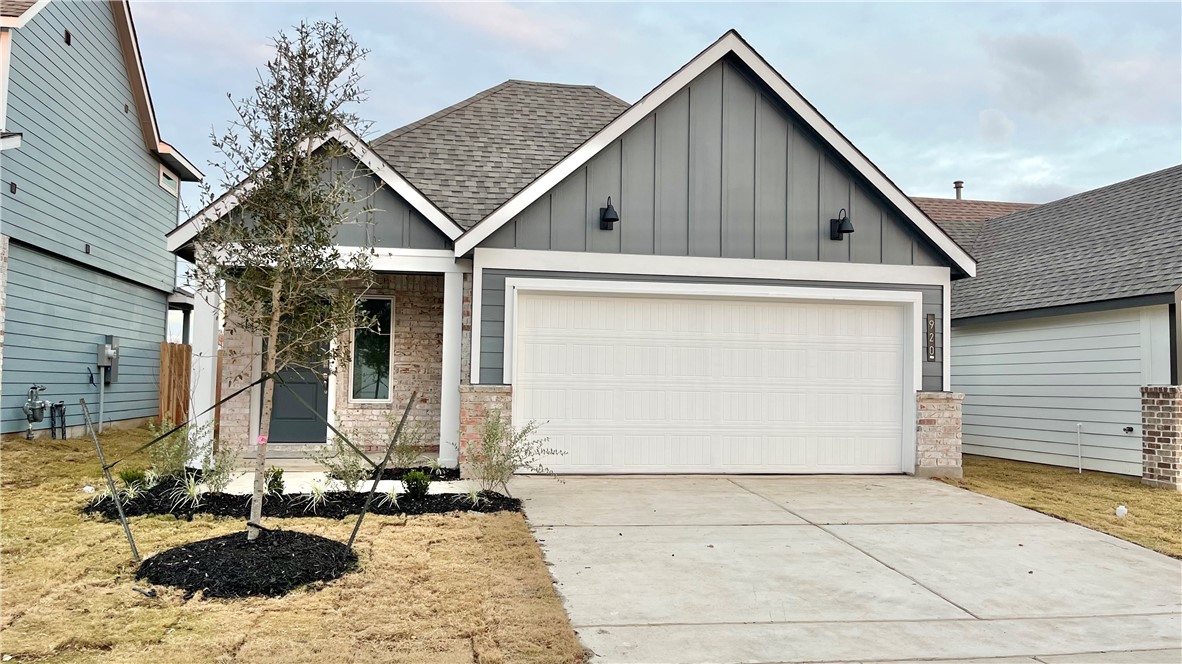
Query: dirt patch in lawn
[[435, 589], [1089, 499]]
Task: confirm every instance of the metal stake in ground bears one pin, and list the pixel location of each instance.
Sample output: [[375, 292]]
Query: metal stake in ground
[[110, 482], [377, 473]]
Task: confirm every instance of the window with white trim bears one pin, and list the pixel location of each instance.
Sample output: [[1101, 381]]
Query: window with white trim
[[373, 348], [169, 181]]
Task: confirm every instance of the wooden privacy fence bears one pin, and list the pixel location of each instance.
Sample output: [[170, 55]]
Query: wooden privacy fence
[[175, 361]]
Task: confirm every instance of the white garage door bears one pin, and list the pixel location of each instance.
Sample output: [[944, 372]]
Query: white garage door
[[688, 385]]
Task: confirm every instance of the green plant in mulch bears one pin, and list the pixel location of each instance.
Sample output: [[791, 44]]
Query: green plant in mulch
[[416, 483], [274, 480]]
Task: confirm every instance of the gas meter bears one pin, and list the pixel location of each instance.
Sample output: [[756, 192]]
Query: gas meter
[[34, 408]]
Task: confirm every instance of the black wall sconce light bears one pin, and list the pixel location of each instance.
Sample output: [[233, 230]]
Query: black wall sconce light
[[608, 216], [840, 226]]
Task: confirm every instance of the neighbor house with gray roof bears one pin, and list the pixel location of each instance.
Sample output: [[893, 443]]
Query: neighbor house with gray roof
[[1066, 343], [712, 279], [89, 190]]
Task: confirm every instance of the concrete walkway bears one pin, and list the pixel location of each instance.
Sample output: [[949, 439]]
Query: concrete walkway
[[837, 569]]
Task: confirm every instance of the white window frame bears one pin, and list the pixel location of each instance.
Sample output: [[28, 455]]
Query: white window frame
[[353, 357], [175, 191]]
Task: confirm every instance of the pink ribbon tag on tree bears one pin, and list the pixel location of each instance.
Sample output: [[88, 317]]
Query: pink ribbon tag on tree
[[262, 440]]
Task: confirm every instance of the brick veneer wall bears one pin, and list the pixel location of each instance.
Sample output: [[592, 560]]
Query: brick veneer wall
[[938, 434], [476, 402], [418, 365], [1161, 436], [238, 354]]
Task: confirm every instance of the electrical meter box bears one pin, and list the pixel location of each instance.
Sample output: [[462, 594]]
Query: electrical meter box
[[108, 359]]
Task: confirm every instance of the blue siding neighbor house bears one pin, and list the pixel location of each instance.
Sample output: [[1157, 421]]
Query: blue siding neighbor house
[[88, 192]]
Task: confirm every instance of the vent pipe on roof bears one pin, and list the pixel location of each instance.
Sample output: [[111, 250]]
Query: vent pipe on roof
[[958, 185]]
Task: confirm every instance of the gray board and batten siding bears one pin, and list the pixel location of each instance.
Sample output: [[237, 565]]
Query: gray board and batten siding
[[492, 311], [721, 169]]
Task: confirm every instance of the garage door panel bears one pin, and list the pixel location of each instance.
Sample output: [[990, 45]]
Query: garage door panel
[[645, 384]]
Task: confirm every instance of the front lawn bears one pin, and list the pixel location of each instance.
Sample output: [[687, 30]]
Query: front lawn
[[432, 589], [1089, 499]]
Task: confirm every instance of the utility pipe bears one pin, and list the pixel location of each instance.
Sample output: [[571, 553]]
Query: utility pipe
[[1078, 448]]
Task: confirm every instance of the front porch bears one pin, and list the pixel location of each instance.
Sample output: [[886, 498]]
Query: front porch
[[423, 294]]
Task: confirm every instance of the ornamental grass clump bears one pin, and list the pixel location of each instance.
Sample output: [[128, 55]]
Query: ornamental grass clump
[[502, 451]]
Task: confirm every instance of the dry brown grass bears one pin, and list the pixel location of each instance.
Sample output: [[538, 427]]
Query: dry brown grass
[[1089, 499], [431, 590]]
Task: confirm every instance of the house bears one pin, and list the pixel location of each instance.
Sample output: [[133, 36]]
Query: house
[[89, 190], [1066, 343], [670, 285]]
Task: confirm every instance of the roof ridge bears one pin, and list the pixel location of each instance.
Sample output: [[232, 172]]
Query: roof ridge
[[971, 200], [442, 113]]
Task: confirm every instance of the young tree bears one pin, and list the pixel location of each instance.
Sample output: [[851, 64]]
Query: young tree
[[286, 281]]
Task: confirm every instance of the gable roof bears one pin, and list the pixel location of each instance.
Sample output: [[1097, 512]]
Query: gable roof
[[961, 218], [1119, 241], [471, 157], [729, 43], [181, 237], [957, 209]]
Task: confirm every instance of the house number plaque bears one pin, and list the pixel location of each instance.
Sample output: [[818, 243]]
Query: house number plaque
[[930, 337]]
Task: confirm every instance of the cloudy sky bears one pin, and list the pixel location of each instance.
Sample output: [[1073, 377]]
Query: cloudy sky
[[1025, 102]]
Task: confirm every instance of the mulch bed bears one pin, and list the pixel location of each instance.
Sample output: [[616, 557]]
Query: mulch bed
[[337, 505], [443, 474], [230, 566]]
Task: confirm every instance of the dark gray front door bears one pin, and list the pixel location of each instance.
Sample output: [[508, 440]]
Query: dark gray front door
[[292, 421]]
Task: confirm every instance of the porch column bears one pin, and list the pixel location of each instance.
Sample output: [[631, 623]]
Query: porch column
[[449, 396], [204, 369]]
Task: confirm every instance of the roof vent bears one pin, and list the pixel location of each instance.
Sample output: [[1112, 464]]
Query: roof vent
[[958, 185]]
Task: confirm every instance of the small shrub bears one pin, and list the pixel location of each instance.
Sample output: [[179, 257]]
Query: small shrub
[[342, 463], [317, 496], [416, 483], [151, 478], [390, 497], [503, 451], [408, 449], [473, 498], [170, 457], [186, 495], [274, 480], [135, 476], [217, 469]]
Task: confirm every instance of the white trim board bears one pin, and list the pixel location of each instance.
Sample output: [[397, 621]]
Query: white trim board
[[183, 234], [697, 266], [911, 301], [25, 17], [729, 43]]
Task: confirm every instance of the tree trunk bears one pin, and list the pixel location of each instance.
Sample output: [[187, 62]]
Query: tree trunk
[[260, 459]]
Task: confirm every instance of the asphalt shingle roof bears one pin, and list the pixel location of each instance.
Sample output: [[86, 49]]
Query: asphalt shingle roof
[[14, 8], [473, 156], [1123, 240], [955, 209]]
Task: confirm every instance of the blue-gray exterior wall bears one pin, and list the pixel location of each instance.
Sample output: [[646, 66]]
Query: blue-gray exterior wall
[[56, 314], [492, 311], [720, 169], [83, 173], [383, 218]]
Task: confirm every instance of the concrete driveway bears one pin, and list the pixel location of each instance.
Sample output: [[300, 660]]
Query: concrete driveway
[[823, 569]]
